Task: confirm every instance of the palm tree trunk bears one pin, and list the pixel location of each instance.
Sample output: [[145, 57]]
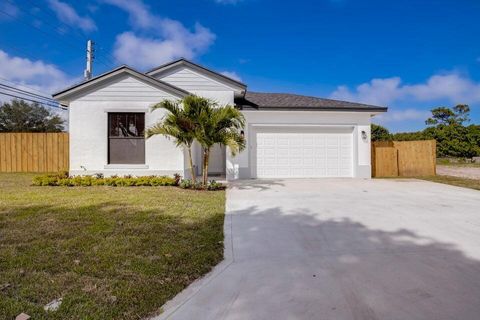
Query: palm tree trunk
[[192, 171], [206, 157]]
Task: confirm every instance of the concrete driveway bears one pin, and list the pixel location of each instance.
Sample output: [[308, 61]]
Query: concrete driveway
[[343, 249]]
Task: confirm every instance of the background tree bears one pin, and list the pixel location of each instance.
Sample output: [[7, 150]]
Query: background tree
[[446, 116], [21, 116], [380, 133], [409, 136], [446, 126], [179, 124]]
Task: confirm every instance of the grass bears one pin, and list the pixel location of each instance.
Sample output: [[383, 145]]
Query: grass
[[448, 162], [109, 252], [455, 181]]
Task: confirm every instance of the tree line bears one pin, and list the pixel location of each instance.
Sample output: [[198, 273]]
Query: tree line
[[21, 116], [448, 127]]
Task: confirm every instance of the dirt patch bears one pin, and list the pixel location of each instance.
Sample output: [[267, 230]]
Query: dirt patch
[[464, 172]]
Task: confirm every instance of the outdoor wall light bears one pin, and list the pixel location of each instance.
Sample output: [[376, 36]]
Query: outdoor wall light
[[364, 135]]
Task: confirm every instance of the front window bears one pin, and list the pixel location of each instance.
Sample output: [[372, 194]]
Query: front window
[[126, 141]]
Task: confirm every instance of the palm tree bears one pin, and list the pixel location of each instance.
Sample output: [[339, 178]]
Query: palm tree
[[178, 124], [221, 125]]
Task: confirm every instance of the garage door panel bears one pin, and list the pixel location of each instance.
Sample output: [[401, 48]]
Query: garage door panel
[[304, 155]]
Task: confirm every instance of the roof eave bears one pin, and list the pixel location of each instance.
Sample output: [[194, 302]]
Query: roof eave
[[64, 94], [340, 109]]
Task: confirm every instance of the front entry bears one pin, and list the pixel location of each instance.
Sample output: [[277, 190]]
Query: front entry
[[217, 161]]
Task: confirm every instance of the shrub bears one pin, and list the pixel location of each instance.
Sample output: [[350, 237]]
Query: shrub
[[186, 184], [46, 180], [212, 185], [162, 181], [142, 181], [177, 178], [99, 180]]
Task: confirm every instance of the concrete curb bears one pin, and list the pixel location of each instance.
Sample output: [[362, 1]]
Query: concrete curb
[[172, 306]]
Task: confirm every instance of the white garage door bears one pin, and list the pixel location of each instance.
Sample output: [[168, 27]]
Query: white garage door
[[297, 154]]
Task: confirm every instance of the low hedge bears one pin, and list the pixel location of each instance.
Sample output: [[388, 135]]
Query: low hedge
[[63, 179], [98, 180]]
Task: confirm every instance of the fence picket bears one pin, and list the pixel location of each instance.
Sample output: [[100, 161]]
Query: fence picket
[[403, 158], [33, 152]]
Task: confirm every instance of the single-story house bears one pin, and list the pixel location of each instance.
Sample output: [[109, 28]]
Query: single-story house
[[288, 135]]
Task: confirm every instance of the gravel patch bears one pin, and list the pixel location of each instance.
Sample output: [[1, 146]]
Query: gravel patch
[[464, 172]]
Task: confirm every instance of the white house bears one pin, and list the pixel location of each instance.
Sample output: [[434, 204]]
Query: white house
[[288, 136]]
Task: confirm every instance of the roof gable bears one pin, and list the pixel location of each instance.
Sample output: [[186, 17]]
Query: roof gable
[[180, 65], [67, 94]]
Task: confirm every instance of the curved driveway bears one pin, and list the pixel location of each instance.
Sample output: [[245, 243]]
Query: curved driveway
[[343, 249]]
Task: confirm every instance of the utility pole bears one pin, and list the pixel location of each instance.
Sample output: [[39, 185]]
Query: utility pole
[[88, 70]]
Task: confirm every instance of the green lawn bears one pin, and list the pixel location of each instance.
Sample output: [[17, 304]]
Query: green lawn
[[109, 252], [447, 162], [455, 181]]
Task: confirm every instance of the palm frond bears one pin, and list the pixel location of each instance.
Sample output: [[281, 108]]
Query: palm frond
[[169, 105]]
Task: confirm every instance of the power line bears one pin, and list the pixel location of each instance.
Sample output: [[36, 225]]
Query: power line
[[108, 58], [22, 96], [34, 95], [21, 85], [48, 34], [82, 36], [32, 100]]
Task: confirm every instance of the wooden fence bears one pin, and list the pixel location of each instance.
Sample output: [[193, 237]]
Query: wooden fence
[[403, 158], [33, 152]]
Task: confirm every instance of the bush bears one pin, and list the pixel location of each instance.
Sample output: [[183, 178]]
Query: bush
[[188, 184], [63, 179], [212, 185]]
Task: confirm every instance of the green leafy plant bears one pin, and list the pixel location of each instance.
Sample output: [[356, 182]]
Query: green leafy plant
[[211, 186], [197, 118], [214, 185], [114, 181], [179, 124], [219, 125], [380, 133]]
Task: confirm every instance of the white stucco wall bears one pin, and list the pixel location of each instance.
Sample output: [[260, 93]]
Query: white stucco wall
[[240, 167], [88, 130]]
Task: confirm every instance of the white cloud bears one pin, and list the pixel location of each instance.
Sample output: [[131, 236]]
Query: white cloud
[[167, 38], [377, 91], [232, 75], [452, 87], [44, 77], [68, 15], [402, 115]]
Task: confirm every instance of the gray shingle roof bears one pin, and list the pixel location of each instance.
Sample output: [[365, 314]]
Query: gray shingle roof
[[286, 101]]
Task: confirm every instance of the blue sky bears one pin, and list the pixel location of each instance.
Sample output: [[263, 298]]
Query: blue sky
[[408, 55]]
